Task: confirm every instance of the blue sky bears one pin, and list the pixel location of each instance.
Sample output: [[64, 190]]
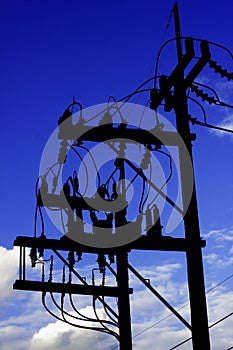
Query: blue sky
[[53, 50]]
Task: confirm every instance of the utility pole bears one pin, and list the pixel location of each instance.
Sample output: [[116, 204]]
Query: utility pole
[[123, 276], [199, 318], [123, 301], [191, 244]]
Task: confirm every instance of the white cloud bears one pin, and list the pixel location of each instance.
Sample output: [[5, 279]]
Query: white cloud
[[226, 123], [59, 335], [13, 337], [26, 325], [8, 270]]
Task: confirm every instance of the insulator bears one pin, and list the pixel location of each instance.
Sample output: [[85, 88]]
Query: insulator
[[149, 222], [75, 182], [111, 258], [44, 189], [114, 191], [155, 231], [146, 159], [51, 269], [101, 262], [157, 221], [71, 258], [33, 256], [122, 150], [167, 95], [79, 255], [106, 119], [218, 69], [103, 192], [67, 113], [41, 252], [66, 189], [212, 63], [62, 152], [204, 96], [154, 97], [205, 51]]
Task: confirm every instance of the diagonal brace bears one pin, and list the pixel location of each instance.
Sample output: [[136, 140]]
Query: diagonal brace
[[159, 296], [84, 282]]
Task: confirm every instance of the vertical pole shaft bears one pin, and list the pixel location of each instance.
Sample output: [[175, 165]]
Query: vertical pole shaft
[[24, 265], [123, 277], [123, 301], [20, 263], [199, 318]]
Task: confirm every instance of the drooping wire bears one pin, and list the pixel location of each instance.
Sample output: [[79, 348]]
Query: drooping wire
[[63, 319], [197, 122], [94, 162], [212, 325], [38, 208], [85, 318], [183, 306], [94, 303], [183, 38], [143, 112], [140, 209], [199, 105], [168, 178], [221, 103], [87, 327], [85, 167], [102, 321]]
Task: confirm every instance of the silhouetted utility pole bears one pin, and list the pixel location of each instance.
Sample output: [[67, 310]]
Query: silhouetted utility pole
[[152, 240], [125, 337], [123, 301], [199, 319]]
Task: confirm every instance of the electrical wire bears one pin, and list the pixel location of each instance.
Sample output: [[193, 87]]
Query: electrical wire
[[82, 318], [102, 321], [110, 316], [140, 209], [82, 279], [94, 302], [199, 104], [221, 103], [183, 306], [194, 121], [183, 38], [149, 186], [168, 178], [85, 318], [38, 207], [197, 122], [213, 324], [87, 327], [85, 167], [126, 98], [94, 162], [63, 319], [143, 112]]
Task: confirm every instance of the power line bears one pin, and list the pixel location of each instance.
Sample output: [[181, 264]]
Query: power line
[[214, 324], [207, 125], [166, 317]]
